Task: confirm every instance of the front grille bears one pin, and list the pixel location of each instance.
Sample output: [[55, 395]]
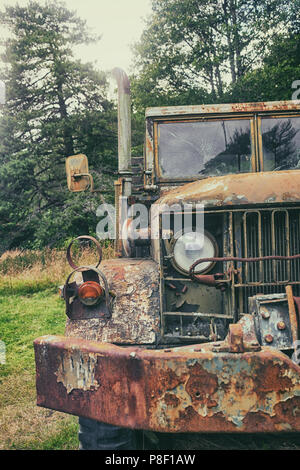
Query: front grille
[[265, 232], [240, 233]]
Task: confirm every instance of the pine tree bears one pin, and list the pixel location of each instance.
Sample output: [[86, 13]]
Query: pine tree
[[56, 106]]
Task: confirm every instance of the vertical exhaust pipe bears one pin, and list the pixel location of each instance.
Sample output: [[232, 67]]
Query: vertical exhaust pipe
[[124, 184], [124, 129]]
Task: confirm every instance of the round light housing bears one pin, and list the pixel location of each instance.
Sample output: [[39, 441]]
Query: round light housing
[[90, 292], [192, 246]]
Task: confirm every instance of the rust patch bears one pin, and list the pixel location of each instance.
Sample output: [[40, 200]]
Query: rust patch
[[263, 422], [135, 315], [183, 391], [171, 400], [271, 378], [241, 189], [161, 380], [223, 108], [201, 384], [218, 423]]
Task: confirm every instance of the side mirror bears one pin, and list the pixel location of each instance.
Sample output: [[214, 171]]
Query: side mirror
[[78, 176]]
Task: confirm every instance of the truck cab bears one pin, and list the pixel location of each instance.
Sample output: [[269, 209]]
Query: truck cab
[[196, 325]]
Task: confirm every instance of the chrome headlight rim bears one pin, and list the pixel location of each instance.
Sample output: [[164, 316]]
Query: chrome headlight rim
[[181, 270]]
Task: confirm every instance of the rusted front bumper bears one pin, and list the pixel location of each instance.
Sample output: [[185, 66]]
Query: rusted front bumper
[[186, 389]]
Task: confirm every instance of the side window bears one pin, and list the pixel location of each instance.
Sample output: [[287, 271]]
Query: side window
[[281, 143]]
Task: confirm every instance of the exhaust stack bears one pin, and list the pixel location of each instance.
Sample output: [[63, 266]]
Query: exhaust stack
[[124, 128]]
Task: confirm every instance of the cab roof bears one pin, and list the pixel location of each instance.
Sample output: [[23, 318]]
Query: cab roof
[[265, 106]]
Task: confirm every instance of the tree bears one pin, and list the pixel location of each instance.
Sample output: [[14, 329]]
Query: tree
[[56, 106], [197, 47], [273, 80]]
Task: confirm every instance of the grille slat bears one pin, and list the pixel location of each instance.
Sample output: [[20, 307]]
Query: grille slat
[[268, 232]]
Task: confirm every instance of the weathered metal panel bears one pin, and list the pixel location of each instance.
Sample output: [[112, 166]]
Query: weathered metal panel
[[272, 318], [135, 315], [77, 170], [187, 389], [268, 106], [237, 190]]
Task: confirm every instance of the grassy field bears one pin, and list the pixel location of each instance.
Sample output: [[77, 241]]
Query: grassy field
[[31, 307]]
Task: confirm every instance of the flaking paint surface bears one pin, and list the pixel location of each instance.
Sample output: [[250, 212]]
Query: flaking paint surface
[[136, 309]]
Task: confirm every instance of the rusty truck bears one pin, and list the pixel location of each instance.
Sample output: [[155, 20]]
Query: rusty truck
[[177, 334]]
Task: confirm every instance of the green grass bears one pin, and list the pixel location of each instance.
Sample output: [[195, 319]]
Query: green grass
[[29, 309], [23, 318], [19, 287]]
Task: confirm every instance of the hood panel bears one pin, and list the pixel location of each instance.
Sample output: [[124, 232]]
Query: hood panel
[[242, 189]]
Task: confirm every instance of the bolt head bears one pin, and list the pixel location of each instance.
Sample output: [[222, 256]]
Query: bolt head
[[265, 314], [281, 325], [269, 339]]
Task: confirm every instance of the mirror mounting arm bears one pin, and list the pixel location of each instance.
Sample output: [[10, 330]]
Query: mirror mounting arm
[[80, 175]]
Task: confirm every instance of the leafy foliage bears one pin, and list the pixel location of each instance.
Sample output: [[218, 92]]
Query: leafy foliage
[[194, 51], [191, 52], [56, 107], [273, 80]]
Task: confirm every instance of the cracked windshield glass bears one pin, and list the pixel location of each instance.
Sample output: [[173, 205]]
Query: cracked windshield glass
[[206, 148]]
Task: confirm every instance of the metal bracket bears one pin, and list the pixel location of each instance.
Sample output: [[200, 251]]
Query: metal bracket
[[275, 319], [241, 338]]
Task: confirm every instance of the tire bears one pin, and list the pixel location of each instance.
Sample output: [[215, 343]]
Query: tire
[[94, 435]]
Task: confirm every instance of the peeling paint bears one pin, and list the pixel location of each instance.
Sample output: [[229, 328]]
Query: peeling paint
[[77, 371], [136, 309], [183, 391], [239, 189]]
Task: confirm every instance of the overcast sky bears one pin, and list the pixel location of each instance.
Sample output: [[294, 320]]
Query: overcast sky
[[120, 22]]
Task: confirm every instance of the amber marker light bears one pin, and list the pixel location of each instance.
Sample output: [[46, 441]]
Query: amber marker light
[[90, 293]]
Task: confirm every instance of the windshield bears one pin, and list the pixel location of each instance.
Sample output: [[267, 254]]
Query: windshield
[[205, 148], [281, 143]]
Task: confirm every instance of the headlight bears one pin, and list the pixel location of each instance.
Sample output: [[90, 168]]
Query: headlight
[[190, 247]]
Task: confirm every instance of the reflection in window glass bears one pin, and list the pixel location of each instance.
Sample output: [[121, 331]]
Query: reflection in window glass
[[207, 148], [281, 143]]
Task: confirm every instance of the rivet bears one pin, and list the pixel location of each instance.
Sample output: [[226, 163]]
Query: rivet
[[281, 325], [269, 338], [265, 314]]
